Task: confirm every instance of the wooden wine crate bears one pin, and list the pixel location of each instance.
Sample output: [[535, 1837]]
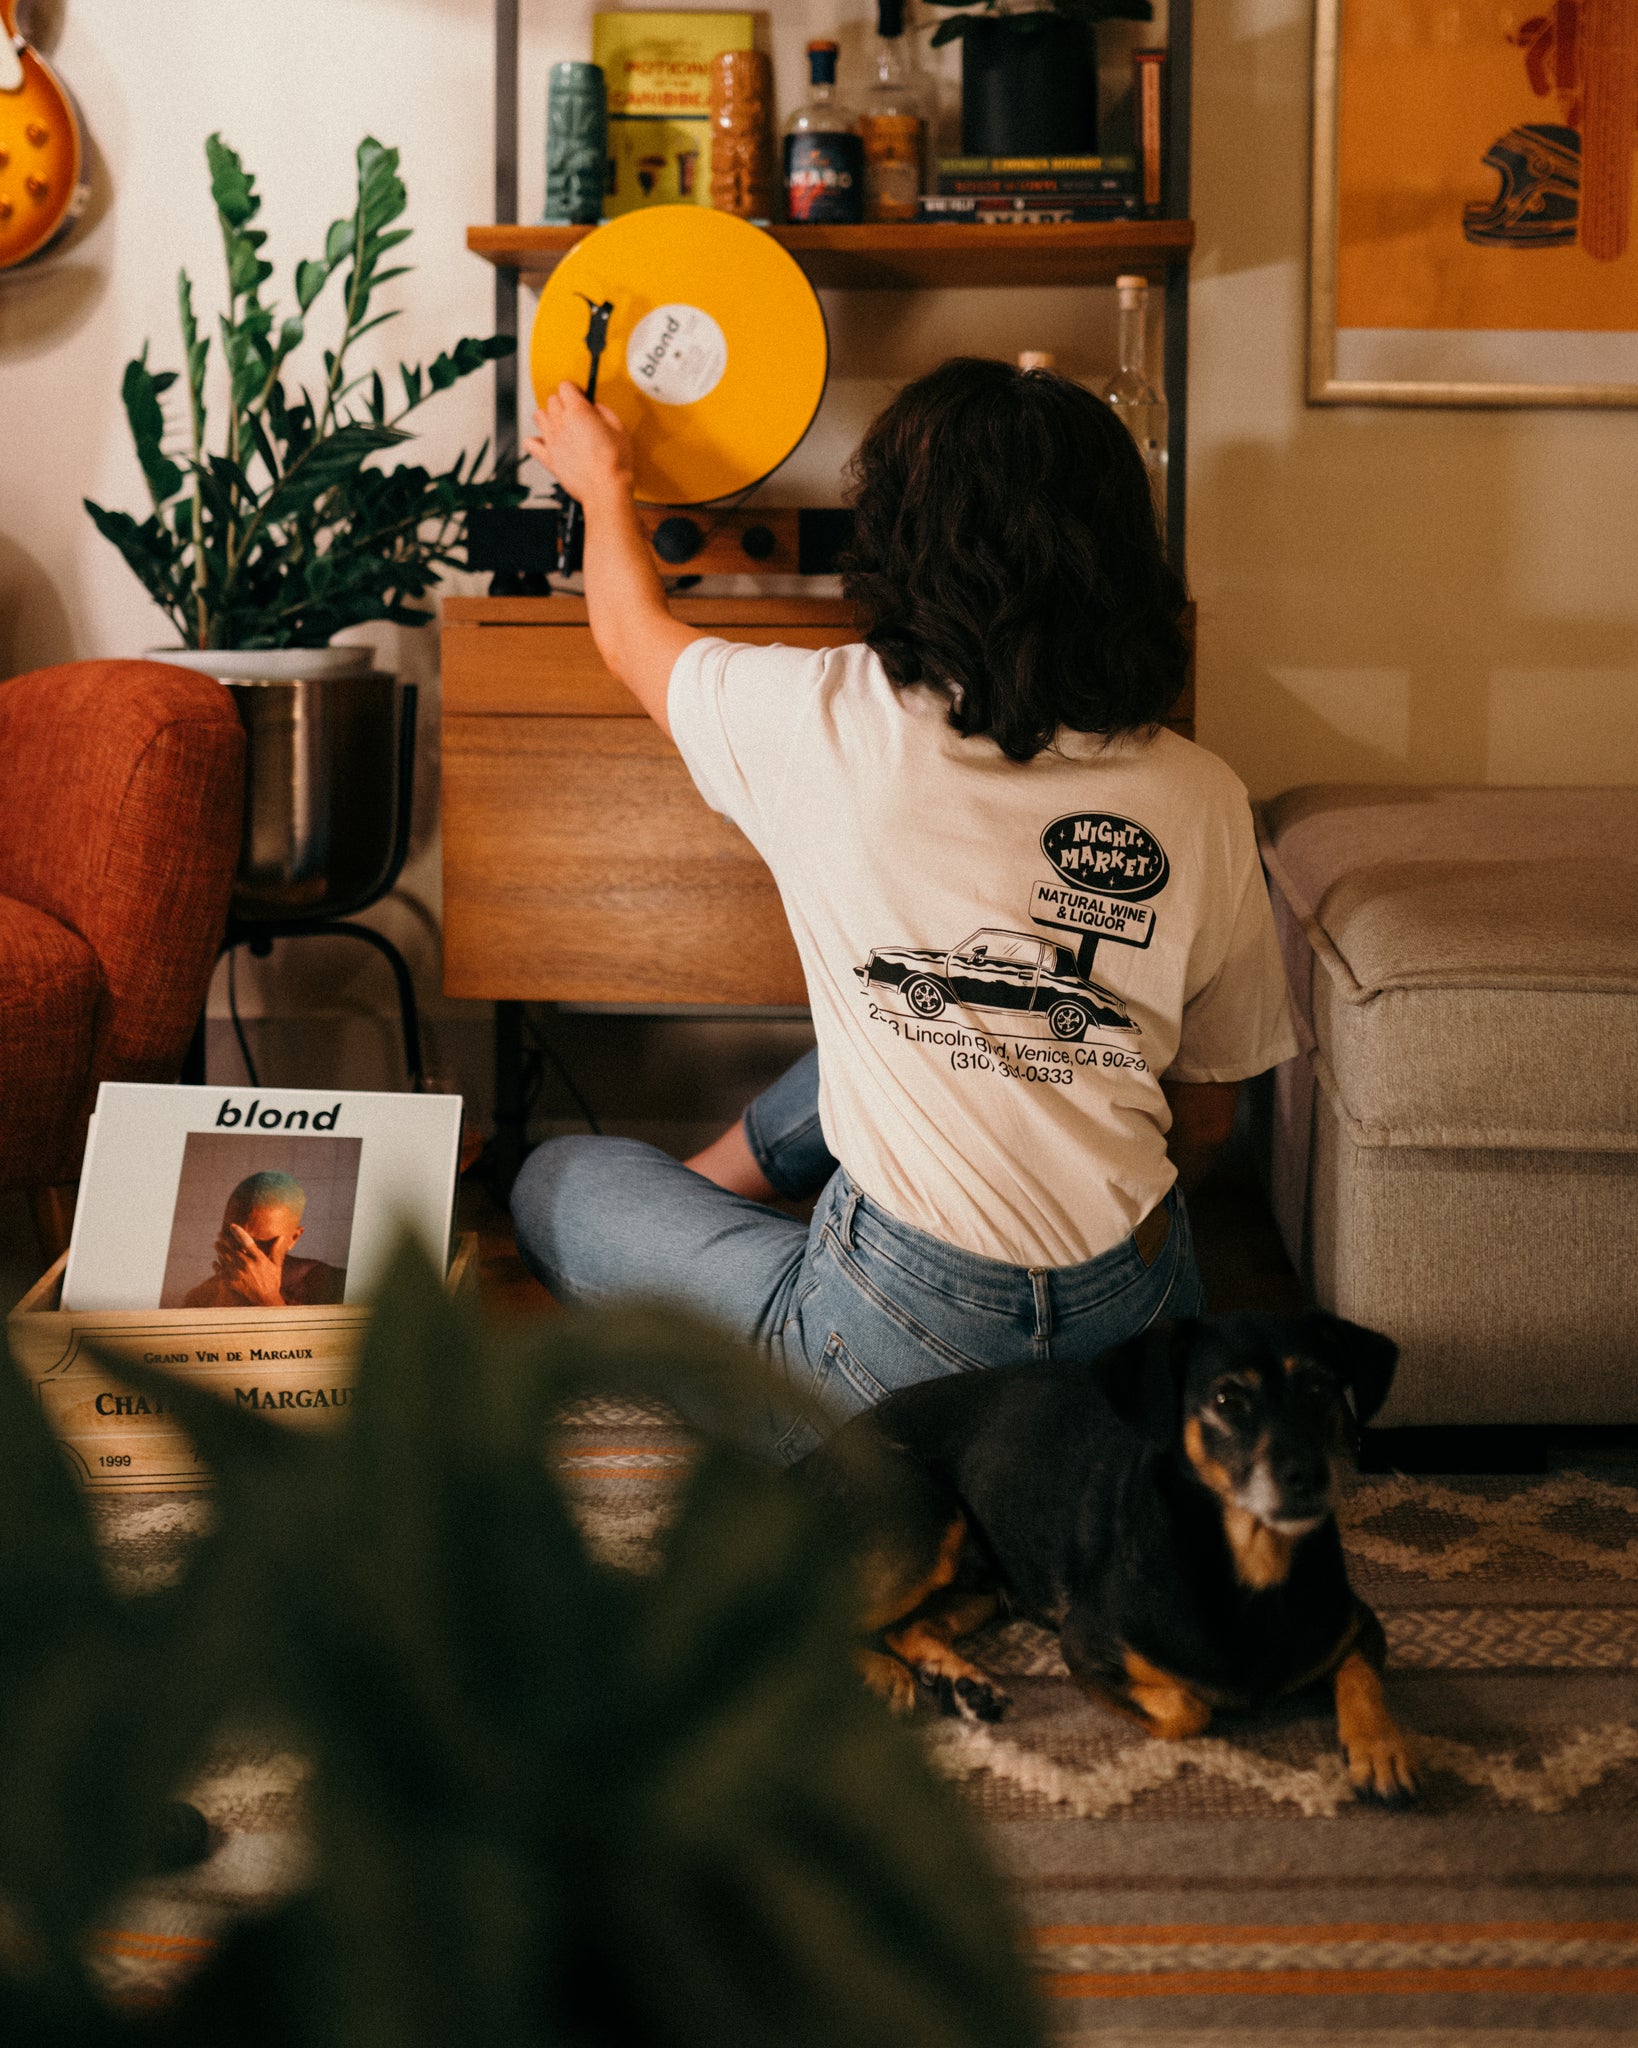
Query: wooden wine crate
[[293, 1363]]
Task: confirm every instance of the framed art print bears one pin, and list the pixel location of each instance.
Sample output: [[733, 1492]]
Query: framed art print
[[1474, 235]]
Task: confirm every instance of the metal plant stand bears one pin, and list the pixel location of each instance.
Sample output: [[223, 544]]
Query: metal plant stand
[[259, 937], [330, 775]]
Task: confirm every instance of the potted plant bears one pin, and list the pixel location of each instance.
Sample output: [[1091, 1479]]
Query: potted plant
[[1029, 79], [264, 548]]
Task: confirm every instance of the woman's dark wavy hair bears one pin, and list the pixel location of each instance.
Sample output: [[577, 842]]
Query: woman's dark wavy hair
[[1006, 551]]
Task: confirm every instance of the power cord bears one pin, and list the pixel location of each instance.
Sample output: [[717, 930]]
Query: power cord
[[534, 1074], [541, 1050], [233, 1012]]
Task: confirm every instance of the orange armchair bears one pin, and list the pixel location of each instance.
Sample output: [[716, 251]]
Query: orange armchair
[[121, 796]]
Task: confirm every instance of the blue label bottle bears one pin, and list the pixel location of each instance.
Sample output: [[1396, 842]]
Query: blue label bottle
[[824, 157]]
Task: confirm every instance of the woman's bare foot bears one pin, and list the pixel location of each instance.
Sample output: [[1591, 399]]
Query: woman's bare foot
[[729, 1162]]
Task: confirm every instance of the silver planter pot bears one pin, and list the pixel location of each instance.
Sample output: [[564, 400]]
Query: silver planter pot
[[329, 767]]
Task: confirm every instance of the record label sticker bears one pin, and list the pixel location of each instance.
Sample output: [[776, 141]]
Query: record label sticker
[[677, 354]]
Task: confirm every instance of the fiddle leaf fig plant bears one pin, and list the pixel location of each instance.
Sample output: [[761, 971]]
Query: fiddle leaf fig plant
[[1030, 20], [289, 529]]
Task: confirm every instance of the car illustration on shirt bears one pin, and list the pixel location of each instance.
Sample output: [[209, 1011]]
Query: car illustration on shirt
[[998, 970]]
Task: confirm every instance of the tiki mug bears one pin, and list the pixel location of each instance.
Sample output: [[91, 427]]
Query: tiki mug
[[743, 172], [577, 143]]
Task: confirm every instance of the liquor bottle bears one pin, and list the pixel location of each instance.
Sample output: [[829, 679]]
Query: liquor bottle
[[824, 158], [893, 125], [1130, 393]]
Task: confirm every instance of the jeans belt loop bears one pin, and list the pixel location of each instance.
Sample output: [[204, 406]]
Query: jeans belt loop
[[844, 1222], [1151, 1234], [1040, 1281]]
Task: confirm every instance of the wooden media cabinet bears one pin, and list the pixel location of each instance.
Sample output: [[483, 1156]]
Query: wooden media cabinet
[[580, 864]]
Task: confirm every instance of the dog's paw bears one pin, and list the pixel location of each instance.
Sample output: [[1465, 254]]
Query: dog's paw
[[889, 1680], [982, 1700], [966, 1698], [1382, 1768]]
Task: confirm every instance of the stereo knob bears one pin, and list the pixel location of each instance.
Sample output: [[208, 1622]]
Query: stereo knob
[[678, 540], [758, 542]]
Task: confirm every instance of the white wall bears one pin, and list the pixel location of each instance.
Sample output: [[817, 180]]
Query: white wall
[[292, 89], [1384, 594]]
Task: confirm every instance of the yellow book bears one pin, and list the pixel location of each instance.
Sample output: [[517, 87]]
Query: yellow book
[[657, 68]]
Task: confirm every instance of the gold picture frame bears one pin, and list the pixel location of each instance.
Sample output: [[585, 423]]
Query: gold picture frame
[[1427, 286]]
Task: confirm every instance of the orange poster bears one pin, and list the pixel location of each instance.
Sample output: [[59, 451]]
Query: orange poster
[[1485, 164]]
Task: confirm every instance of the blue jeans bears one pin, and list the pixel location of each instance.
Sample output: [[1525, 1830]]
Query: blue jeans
[[848, 1308]]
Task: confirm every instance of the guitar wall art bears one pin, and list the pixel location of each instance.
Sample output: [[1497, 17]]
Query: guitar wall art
[[41, 157]]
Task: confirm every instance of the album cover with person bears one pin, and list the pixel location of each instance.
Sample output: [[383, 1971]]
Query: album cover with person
[[261, 1222], [256, 1198]]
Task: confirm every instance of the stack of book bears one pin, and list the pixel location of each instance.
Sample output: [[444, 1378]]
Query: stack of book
[[1029, 189]]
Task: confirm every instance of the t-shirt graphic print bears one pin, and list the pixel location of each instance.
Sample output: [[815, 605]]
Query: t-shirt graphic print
[[1029, 988], [1032, 987], [1002, 958]]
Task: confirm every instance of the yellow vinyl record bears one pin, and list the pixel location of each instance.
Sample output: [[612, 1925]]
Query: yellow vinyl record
[[716, 355]]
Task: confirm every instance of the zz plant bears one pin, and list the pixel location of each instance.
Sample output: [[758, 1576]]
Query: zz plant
[[289, 531]]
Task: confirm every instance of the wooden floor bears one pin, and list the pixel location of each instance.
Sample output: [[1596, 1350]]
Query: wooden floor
[[507, 1290]]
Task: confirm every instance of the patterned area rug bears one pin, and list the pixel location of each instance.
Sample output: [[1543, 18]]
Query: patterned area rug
[[1225, 1890]]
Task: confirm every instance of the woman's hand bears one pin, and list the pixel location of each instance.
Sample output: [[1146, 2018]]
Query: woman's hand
[[589, 452], [584, 446]]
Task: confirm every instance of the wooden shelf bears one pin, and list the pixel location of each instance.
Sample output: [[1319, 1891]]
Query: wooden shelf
[[922, 254]]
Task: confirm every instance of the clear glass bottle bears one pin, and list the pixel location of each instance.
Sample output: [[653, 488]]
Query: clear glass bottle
[[824, 157], [1130, 391], [893, 123]]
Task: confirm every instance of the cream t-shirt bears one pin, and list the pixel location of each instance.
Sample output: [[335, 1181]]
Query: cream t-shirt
[[1002, 958]]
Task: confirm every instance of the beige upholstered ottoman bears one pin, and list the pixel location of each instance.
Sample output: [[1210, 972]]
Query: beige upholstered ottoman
[[1455, 1155]]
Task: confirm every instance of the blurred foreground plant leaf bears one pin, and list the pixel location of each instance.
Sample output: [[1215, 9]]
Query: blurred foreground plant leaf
[[553, 1802]]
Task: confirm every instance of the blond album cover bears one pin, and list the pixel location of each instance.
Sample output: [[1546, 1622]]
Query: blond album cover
[[262, 1198]]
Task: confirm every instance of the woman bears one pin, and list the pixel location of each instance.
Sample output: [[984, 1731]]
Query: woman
[[1034, 929]]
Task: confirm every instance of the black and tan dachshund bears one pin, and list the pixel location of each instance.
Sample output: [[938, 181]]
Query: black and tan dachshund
[[1166, 1508]]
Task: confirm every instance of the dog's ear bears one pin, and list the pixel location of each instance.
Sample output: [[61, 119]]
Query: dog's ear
[[1142, 1379], [1362, 1359]]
